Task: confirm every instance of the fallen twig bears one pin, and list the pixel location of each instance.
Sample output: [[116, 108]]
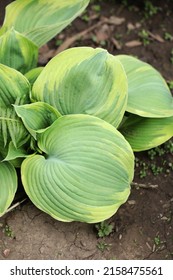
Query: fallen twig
[[145, 186], [132, 44], [69, 41], [15, 205], [156, 37], [116, 44]]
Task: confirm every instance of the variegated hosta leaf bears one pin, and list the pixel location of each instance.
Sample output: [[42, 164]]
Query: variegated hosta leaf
[[41, 20], [14, 89], [15, 153], [17, 51], [37, 116], [146, 133], [84, 81], [33, 74], [84, 173], [8, 185], [148, 93]]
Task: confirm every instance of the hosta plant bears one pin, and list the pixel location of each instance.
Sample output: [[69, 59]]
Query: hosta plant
[[72, 127]]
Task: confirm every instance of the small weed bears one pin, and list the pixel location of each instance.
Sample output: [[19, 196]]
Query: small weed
[[8, 231], [102, 246], [168, 36], [159, 151], [143, 166], [96, 8], [137, 162], [144, 37], [157, 240], [143, 171], [58, 42], [104, 229], [85, 17], [165, 166], [150, 9], [168, 146], [156, 169], [151, 154]]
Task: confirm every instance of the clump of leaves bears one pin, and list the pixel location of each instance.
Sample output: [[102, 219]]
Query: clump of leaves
[[102, 246], [8, 231], [144, 37], [72, 126], [168, 36], [104, 229], [96, 8], [157, 240], [150, 9], [159, 161]]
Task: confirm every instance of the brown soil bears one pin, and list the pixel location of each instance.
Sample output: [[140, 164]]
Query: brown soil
[[143, 226]]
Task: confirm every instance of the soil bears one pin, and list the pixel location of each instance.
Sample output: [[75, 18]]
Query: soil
[[143, 227]]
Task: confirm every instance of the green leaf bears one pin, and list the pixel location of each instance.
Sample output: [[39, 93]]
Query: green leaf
[[146, 133], [8, 185], [14, 89], [41, 20], [85, 172], [33, 74], [148, 93], [14, 153], [84, 81], [37, 116], [17, 51]]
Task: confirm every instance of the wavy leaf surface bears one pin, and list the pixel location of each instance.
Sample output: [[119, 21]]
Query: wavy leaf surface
[[146, 133], [17, 51], [84, 81], [37, 116], [41, 20], [148, 93], [84, 173]]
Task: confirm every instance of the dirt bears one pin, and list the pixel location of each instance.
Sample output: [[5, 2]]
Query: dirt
[[143, 227]]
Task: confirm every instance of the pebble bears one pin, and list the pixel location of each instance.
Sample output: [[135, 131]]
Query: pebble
[[131, 202], [120, 236], [6, 252]]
